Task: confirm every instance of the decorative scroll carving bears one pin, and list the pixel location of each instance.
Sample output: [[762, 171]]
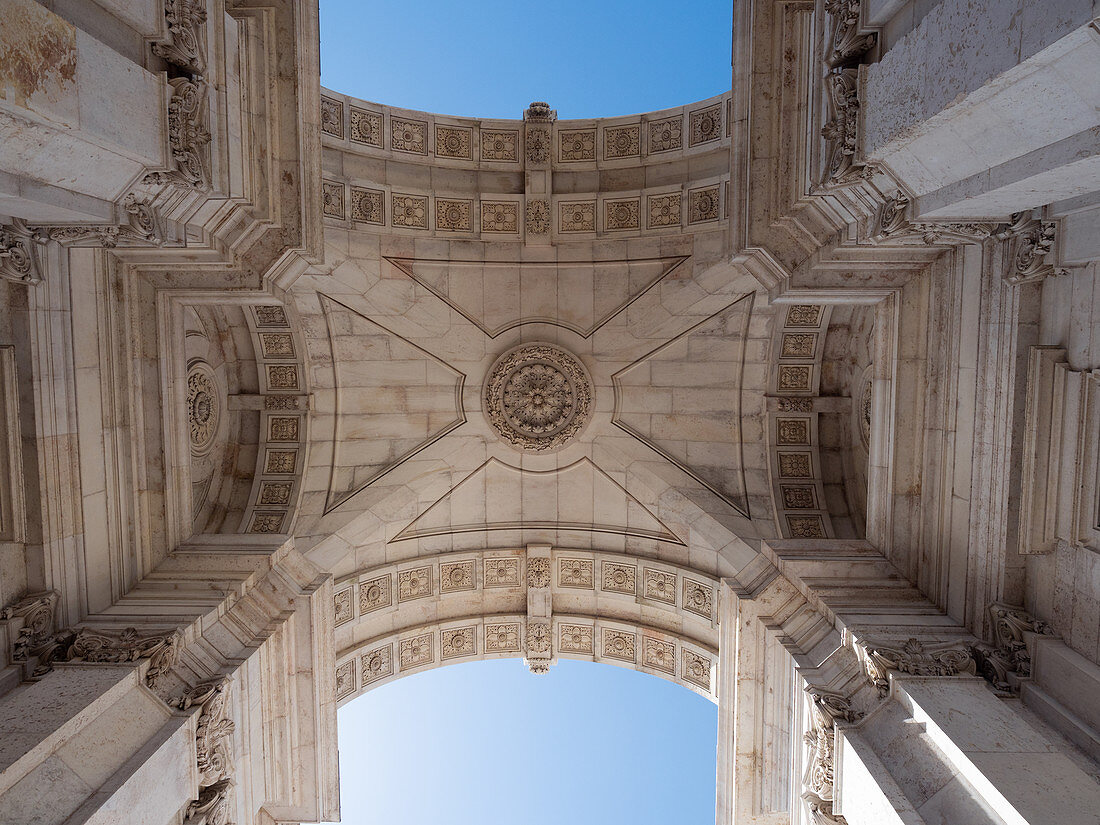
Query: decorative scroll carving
[[187, 134], [893, 222], [213, 729], [84, 645], [1009, 626], [827, 708], [212, 806], [186, 43], [139, 228], [841, 129], [19, 253], [1008, 659], [37, 610], [848, 47], [915, 658], [1032, 244], [849, 43]]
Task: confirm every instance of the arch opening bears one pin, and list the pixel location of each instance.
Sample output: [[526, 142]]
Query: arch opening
[[476, 742]]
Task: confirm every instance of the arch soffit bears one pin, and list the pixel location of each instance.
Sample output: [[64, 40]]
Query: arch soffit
[[418, 614]]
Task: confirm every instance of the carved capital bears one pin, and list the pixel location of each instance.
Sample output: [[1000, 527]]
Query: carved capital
[[892, 222], [212, 806], [19, 246], [139, 227], [37, 610], [185, 45], [128, 645], [915, 658], [188, 138], [213, 729], [1031, 244]]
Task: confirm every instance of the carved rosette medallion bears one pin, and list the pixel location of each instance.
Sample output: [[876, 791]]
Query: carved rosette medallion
[[538, 397], [202, 407]]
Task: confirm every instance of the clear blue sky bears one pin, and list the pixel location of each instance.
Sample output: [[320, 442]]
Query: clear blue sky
[[596, 58], [487, 743]]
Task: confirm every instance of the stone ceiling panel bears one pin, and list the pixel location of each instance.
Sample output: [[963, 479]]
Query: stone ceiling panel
[[579, 296], [683, 399], [393, 399], [499, 496]]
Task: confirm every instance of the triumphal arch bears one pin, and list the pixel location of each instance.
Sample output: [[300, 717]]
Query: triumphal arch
[[789, 396]]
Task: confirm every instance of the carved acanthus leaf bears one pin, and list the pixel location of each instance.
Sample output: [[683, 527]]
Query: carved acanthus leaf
[[893, 222], [186, 43], [37, 612], [128, 645], [915, 658], [1032, 245], [213, 729], [19, 246], [212, 806], [139, 228]]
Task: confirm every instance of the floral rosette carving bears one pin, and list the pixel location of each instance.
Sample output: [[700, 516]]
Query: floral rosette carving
[[202, 407], [538, 397]]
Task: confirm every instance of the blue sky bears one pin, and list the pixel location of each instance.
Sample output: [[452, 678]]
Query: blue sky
[[597, 58], [487, 743]]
